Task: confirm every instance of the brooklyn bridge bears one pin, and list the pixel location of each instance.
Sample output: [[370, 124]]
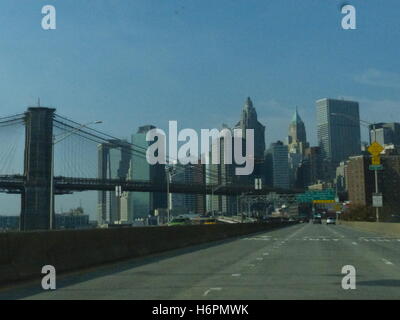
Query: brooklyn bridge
[[49, 169]]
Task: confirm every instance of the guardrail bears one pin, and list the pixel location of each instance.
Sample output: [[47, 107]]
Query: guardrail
[[23, 254]]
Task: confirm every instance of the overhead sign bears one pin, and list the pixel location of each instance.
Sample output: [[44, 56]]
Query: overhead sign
[[377, 200], [317, 196], [375, 148]]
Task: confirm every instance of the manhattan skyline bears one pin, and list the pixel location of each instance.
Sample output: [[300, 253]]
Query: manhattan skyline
[[149, 62]]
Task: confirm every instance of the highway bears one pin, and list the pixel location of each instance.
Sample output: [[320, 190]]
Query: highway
[[302, 261]]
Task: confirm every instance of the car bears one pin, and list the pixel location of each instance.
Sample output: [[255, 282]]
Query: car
[[179, 222], [330, 221], [317, 220]]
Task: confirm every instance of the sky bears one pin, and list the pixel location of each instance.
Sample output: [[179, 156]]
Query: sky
[[136, 62]]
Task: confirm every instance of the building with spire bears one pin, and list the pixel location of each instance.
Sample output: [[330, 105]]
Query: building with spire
[[297, 145], [249, 121], [297, 139]]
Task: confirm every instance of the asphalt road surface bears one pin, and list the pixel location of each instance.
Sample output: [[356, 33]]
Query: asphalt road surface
[[303, 261]]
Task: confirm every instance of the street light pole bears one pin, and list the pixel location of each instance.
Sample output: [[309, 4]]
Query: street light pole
[[53, 143], [168, 204], [169, 170]]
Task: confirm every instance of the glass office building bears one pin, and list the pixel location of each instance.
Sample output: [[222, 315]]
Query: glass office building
[[338, 129]]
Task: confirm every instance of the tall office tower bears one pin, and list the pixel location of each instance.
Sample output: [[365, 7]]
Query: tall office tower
[[182, 203], [277, 166], [249, 121], [297, 144], [113, 163], [199, 177], [223, 174], [386, 133], [310, 170], [338, 131], [190, 174], [177, 200], [143, 204]]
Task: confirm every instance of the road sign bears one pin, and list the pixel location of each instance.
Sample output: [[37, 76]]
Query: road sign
[[376, 160], [377, 200], [375, 148], [376, 167], [317, 196]]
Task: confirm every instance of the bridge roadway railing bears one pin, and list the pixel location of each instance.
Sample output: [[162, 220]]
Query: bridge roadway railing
[[16, 183], [23, 254], [84, 184]]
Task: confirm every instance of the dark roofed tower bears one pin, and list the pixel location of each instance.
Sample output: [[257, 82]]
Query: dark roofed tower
[[249, 121]]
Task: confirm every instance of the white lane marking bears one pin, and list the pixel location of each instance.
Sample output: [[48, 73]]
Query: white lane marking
[[355, 243], [250, 265], [211, 289], [236, 274], [259, 259], [265, 254], [387, 262]]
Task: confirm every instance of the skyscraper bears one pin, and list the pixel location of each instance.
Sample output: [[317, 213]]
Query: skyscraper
[[386, 133], [277, 165], [338, 124], [144, 203], [249, 121], [297, 139], [297, 145], [223, 174]]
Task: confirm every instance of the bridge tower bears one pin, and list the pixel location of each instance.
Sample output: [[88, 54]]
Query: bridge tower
[[35, 199]]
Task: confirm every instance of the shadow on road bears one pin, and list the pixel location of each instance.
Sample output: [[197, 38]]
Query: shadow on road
[[380, 283], [27, 289]]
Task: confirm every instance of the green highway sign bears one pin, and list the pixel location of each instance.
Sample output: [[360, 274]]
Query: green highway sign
[[316, 196], [376, 167]]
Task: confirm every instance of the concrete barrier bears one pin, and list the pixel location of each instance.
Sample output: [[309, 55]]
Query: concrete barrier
[[384, 228], [23, 254]]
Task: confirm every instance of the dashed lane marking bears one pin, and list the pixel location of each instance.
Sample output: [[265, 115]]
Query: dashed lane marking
[[211, 289], [387, 262]]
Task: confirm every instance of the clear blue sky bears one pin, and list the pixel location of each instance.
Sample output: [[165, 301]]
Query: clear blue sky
[[131, 63]]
